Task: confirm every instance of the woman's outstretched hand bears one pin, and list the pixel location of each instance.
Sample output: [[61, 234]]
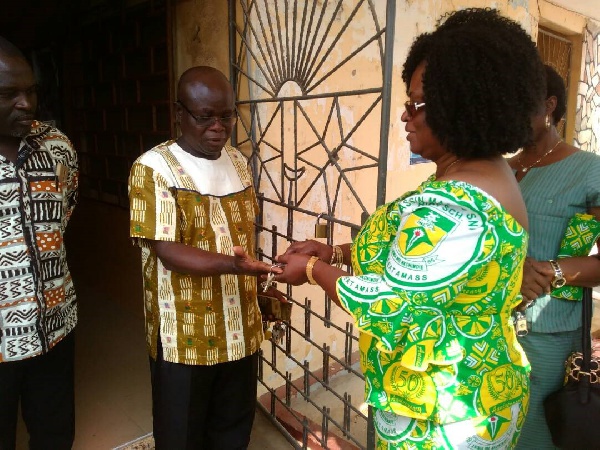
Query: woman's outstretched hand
[[311, 248], [294, 269]]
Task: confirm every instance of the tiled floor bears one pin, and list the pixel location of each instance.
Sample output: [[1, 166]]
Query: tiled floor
[[112, 376]]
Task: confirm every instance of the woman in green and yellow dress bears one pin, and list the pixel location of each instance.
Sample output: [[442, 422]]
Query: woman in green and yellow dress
[[438, 271]]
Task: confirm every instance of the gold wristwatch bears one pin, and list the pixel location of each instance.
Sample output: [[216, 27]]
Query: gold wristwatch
[[559, 278]]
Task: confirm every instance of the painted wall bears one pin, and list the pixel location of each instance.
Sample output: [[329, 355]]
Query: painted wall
[[412, 18]]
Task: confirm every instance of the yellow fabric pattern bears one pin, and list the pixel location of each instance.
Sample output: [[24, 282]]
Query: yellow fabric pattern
[[200, 320], [438, 273]]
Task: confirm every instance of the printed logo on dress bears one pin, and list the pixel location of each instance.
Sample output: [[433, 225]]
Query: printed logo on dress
[[423, 231]]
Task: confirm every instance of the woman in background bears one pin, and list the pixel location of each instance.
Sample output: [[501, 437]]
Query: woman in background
[[557, 181], [438, 270]]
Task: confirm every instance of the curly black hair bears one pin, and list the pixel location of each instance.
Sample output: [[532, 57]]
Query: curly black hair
[[483, 81], [555, 86]]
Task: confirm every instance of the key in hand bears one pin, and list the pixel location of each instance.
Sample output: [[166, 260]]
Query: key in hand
[[269, 282]]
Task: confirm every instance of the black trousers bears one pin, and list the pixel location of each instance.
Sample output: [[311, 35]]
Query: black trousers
[[203, 407], [45, 386]]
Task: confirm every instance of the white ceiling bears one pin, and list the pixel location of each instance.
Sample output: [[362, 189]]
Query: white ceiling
[[588, 8]]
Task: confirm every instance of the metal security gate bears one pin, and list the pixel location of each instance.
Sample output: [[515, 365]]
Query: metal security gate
[[313, 82]]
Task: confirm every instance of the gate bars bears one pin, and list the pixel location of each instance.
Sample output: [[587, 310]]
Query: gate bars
[[313, 154]]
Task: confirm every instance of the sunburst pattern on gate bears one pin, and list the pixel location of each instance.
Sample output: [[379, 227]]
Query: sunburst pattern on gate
[[296, 55]]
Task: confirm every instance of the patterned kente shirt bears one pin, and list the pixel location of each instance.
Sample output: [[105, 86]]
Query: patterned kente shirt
[[211, 205], [438, 273], [37, 197]]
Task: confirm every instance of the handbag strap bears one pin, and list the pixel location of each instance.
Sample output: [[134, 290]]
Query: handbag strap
[[586, 330]]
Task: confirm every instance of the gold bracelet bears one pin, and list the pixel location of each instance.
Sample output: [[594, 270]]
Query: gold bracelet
[[337, 257], [309, 269]]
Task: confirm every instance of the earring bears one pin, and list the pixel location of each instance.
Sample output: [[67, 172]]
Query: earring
[[548, 122]]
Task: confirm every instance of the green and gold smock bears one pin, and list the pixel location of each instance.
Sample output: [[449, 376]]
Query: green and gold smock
[[438, 272], [211, 205]]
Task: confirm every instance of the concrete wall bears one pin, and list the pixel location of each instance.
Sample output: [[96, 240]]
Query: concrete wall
[[201, 35], [588, 97]]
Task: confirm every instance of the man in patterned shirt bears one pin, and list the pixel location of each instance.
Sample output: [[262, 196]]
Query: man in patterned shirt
[[193, 206], [38, 185]]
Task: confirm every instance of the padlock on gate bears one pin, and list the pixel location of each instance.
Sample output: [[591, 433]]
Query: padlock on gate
[[320, 228]]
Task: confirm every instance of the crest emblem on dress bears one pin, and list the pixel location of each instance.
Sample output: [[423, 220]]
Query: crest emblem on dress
[[423, 231]]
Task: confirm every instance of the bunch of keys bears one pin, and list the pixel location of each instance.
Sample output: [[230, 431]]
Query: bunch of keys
[[278, 332], [265, 285]]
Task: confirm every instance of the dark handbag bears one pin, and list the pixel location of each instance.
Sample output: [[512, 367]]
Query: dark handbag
[[573, 412]]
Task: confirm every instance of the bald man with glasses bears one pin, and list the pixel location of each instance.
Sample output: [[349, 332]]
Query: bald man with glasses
[[192, 206]]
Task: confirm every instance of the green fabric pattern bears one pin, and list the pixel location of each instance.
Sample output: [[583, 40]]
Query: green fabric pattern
[[438, 273], [582, 233]]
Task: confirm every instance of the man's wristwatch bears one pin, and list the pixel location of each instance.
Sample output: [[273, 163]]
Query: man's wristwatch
[[559, 278]]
